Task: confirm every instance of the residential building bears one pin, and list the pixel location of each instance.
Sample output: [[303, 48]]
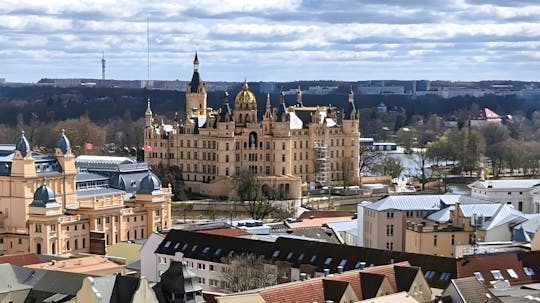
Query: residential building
[[62, 205], [521, 194], [350, 286], [466, 290], [385, 221], [288, 258], [485, 117], [456, 230], [289, 148]]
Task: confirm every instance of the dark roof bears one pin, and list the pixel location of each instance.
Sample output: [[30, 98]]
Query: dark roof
[[124, 289], [370, 284], [60, 284], [334, 290], [22, 145], [149, 184], [44, 197], [195, 80], [316, 233], [404, 276], [298, 252], [63, 143]]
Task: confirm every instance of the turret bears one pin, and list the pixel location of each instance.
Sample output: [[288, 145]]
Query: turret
[[148, 114], [299, 97]]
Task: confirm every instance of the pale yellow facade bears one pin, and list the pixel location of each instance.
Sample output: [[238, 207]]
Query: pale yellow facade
[[284, 151], [64, 227]]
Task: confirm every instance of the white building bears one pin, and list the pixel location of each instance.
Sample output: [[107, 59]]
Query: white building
[[524, 195]]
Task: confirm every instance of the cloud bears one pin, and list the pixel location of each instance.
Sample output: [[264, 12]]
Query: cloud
[[272, 39]]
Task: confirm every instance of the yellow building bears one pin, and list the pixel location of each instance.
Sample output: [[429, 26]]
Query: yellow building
[[291, 147], [62, 205]]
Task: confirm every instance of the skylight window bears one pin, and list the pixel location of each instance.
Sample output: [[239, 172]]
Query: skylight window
[[300, 257], [343, 262], [231, 253], [429, 275], [497, 275], [478, 276], [167, 244], [218, 252], [206, 250], [313, 259], [328, 261], [184, 247], [528, 271], [194, 248], [512, 273], [445, 276], [275, 254], [176, 245], [289, 256]]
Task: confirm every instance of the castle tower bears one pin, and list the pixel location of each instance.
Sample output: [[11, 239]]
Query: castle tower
[[299, 97], [66, 160], [196, 93], [245, 107], [23, 164]]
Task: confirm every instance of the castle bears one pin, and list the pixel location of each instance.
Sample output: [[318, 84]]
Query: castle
[[60, 204], [293, 147]]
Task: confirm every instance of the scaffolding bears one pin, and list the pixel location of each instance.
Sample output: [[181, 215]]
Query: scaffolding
[[321, 162]]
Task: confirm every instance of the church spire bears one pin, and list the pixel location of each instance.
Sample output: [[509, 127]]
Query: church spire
[[196, 63], [148, 114]]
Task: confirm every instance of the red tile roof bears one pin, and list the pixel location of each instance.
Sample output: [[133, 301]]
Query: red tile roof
[[20, 259], [300, 291], [227, 231]]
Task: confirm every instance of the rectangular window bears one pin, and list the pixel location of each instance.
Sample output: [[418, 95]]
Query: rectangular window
[[390, 230], [512, 273], [435, 240], [497, 274], [478, 276], [445, 276], [390, 215]]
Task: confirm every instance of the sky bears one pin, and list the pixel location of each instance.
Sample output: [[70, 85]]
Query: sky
[[271, 40]]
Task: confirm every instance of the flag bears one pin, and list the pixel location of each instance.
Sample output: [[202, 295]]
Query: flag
[[148, 148], [88, 145]]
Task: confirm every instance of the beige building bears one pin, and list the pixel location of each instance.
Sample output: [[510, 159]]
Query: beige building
[[384, 222], [289, 148], [455, 231], [62, 205]]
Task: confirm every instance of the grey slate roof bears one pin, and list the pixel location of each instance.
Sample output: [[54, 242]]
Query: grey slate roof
[[413, 202], [506, 184]]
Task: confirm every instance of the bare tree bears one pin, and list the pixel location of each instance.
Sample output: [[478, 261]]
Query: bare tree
[[245, 273], [256, 201]]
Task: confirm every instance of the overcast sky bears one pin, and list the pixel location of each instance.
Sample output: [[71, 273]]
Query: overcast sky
[[274, 40]]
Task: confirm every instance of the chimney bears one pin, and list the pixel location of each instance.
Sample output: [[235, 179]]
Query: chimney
[[362, 265], [419, 227], [326, 272], [303, 276], [340, 269], [392, 261]]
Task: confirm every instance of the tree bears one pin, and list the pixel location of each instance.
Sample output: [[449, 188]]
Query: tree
[[256, 198], [246, 273], [405, 137], [388, 166], [368, 159], [420, 159]]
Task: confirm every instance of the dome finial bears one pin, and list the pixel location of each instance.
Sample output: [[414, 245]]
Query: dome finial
[[63, 142], [22, 145]]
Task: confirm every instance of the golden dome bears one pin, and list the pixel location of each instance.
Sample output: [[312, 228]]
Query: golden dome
[[245, 95]]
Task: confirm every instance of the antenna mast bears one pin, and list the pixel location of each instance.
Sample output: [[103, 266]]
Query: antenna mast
[[103, 66], [148, 50]]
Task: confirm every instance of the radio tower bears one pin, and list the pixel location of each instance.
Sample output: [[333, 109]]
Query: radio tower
[[103, 67]]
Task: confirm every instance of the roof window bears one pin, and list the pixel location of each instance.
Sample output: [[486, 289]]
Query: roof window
[[167, 244], [512, 273], [289, 256], [478, 276], [300, 257], [497, 275], [206, 250], [528, 271], [194, 248], [218, 252], [328, 261], [313, 259], [429, 275], [343, 262], [445, 276], [275, 254]]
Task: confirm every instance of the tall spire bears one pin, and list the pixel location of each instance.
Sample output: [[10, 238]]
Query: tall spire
[[196, 63], [268, 105]]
